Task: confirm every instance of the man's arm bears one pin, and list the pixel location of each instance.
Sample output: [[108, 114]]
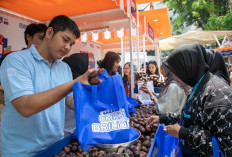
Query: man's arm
[[30, 104]]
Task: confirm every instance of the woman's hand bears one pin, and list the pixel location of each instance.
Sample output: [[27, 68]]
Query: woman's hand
[[146, 90], [152, 121], [173, 130]]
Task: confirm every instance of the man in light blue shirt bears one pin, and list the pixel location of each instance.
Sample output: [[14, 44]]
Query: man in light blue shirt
[[37, 85]]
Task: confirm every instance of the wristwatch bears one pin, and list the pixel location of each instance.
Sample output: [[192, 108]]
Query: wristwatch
[[153, 97]]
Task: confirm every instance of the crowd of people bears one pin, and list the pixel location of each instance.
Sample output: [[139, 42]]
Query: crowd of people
[[36, 85]]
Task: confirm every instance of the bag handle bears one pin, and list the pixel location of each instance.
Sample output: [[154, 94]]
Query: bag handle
[[117, 83], [118, 90]]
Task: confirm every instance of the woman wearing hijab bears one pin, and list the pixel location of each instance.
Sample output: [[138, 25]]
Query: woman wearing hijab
[[172, 96], [216, 64], [78, 63], [208, 110]]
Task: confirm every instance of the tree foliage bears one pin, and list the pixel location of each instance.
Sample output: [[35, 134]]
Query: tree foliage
[[205, 14]]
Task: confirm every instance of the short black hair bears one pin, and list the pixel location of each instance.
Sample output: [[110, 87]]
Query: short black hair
[[63, 23], [33, 29]]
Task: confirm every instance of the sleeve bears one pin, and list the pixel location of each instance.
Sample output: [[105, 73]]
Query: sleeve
[[169, 118], [216, 120], [173, 100], [16, 77], [70, 78]]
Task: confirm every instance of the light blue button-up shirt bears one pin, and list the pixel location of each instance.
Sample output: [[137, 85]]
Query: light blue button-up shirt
[[25, 73]]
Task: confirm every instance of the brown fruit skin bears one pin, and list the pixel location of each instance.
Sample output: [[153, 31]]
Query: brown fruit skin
[[94, 81], [66, 149], [142, 154], [144, 149], [92, 78], [148, 129], [93, 74], [147, 143], [137, 153]]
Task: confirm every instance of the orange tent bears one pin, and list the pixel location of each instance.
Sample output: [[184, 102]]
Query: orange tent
[[88, 14]]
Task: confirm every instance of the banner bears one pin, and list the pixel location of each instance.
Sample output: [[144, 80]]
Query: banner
[[133, 8], [150, 32]]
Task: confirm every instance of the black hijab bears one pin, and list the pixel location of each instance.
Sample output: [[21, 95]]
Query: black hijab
[[78, 62], [216, 64], [187, 62]]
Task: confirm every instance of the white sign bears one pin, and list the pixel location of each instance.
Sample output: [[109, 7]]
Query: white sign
[[111, 121], [143, 96]]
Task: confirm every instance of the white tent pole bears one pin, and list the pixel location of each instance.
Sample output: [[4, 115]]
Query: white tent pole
[[224, 39], [121, 4], [157, 54], [128, 8], [144, 55], [217, 40], [144, 48], [137, 33], [131, 59], [123, 55]]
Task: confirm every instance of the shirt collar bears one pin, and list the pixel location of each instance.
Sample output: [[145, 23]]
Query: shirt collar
[[37, 56], [35, 53]]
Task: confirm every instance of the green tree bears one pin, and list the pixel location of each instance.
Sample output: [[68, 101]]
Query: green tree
[[205, 14]]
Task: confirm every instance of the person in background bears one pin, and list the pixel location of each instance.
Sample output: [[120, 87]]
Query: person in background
[[78, 62], [37, 86], [217, 65], [110, 63], [152, 68], [173, 94], [230, 73], [208, 110], [127, 78], [142, 67], [33, 34]]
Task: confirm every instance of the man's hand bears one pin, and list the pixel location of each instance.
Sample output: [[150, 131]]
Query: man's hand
[[173, 130], [84, 79]]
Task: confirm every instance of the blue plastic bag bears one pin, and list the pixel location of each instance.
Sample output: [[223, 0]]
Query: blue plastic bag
[[216, 149], [132, 104], [164, 144], [102, 115]]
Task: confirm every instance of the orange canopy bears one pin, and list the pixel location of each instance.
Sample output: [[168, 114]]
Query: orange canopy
[[146, 1], [44, 10], [224, 49], [159, 21]]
